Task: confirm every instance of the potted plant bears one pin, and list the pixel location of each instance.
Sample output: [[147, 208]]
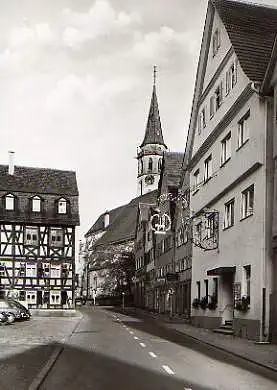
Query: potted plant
[[212, 304], [204, 303], [242, 304], [195, 303]]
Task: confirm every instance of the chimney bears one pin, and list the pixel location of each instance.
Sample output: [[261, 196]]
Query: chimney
[[11, 163], [106, 219]]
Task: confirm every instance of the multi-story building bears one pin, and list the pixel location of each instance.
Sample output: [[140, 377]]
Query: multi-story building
[[229, 156], [38, 216], [166, 276]]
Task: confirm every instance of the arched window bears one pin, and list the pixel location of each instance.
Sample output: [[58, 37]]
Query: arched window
[[62, 206], [36, 204], [160, 164], [9, 202], [150, 164]]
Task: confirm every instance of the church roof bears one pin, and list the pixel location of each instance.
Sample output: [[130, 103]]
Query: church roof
[[153, 132], [123, 227], [252, 29]]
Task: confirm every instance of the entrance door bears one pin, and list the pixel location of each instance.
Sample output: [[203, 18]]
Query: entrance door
[[227, 297]]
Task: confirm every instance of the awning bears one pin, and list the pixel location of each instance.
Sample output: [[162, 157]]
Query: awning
[[221, 271]]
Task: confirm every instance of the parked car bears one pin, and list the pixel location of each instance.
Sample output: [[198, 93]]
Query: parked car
[[14, 309], [4, 318]]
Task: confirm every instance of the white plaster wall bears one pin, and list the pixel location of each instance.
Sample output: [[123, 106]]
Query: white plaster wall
[[228, 101], [214, 62], [244, 243]]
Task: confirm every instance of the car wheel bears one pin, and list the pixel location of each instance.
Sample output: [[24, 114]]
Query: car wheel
[[11, 318]]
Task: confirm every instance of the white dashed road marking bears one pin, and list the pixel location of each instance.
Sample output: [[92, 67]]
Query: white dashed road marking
[[187, 388], [136, 338], [142, 345], [131, 332], [168, 370], [152, 354]]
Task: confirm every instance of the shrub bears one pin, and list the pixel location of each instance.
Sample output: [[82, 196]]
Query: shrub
[[204, 303], [195, 303]]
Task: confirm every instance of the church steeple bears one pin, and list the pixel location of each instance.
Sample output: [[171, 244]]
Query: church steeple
[[152, 148], [153, 132]]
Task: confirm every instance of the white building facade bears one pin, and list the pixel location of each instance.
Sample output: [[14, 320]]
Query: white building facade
[[229, 156]]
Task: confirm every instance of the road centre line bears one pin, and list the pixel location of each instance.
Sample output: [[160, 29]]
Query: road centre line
[[142, 345], [152, 354], [131, 332], [168, 370], [136, 338]]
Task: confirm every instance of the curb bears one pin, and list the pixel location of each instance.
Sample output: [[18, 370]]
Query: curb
[[165, 324], [40, 377]]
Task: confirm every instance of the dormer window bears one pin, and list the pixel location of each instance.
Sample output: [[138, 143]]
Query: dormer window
[[36, 204], [62, 206], [9, 202], [150, 164]]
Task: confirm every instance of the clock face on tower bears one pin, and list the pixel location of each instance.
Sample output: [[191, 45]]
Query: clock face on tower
[[149, 179]]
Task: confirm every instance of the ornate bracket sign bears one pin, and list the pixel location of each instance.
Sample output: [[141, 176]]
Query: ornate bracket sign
[[160, 223]]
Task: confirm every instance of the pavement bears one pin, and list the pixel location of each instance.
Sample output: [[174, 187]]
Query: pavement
[[27, 346], [263, 354]]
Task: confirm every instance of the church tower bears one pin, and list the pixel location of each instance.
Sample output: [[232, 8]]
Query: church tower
[[151, 150]]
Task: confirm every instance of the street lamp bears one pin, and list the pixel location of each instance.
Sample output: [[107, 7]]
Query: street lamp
[[123, 300]]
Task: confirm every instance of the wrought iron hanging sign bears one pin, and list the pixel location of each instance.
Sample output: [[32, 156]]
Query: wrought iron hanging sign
[[160, 223]]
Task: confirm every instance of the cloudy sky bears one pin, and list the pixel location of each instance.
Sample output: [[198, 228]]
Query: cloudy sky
[[76, 82]]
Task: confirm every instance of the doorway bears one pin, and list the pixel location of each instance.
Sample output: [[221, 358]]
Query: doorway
[[227, 281]]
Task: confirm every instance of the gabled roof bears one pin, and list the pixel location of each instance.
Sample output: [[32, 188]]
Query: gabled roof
[[39, 181], [172, 168], [123, 228], [252, 31], [100, 225], [153, 132]]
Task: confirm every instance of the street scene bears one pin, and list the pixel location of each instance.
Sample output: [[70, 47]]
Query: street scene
[[108, 347], [138, 195]]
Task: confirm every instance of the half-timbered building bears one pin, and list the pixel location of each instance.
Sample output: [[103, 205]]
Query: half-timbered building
[[38, 216]]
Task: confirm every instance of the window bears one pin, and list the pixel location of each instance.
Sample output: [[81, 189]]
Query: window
[[141, 167], [198, 289], [247, 202], [198, 231], [225, 149], [31, 236], [208, 168], [9, 202], [182, 236], [196, 176], [55, 271], [202, 120], [247, 279], [31, 270], [212, 108], [218, 96], [210, 225], [231, 78], [56, 237], [62, 206], [160, 165], [150, 164], [215, 288], [243, 130], [216, 41], [206, 282], [229, 214], [36, 204]]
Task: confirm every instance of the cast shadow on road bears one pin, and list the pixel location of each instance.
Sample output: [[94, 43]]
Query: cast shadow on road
[[151, 326], [78, 368]]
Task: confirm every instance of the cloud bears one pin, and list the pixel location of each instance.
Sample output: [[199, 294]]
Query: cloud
[[101, 19], [39, 34]]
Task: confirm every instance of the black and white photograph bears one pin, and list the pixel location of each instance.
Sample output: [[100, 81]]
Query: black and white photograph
[[138, 194]]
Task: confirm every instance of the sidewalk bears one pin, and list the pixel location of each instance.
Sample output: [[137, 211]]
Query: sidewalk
[[264, 355]]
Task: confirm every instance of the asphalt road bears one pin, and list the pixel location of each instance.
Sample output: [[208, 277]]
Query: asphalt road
[[109, 350]]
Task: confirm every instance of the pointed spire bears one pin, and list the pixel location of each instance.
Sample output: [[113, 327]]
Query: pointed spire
[[153, 132]]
